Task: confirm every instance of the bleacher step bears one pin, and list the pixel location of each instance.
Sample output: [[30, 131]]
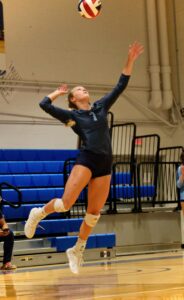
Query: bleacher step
[[37, 250], [41, 259], [24, 244]]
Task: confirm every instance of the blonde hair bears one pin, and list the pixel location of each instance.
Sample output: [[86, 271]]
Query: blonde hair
[[70, 123], [70, 103]]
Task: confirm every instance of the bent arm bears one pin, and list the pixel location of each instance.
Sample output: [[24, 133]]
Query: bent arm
[[62, 115]]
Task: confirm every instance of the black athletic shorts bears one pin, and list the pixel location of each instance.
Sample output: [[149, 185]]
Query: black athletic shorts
[[99, 164]]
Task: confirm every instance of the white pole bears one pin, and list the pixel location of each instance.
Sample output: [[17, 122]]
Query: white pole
[[154, 68], [164, 56]]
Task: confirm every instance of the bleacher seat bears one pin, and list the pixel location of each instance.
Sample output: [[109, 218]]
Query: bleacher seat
[[147, 191], [122, 177], [32, 195], [36, 154], [43, 195], [34, 180], [31, 167], [128, 192], [95, 241], [59, 226], [20, 213]]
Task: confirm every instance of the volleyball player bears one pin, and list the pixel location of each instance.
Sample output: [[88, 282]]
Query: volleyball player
[[94, 162]]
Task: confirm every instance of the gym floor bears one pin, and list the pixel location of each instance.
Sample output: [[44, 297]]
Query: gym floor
[[149, 276]]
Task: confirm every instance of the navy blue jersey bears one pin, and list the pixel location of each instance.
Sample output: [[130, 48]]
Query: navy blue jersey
[[91, 125]]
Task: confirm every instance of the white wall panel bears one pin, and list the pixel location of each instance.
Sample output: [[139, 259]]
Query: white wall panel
[[48, 40]]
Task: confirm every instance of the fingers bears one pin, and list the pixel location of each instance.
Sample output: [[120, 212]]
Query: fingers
[[136, 47], [135, 44], [63, 88], [135, 50]]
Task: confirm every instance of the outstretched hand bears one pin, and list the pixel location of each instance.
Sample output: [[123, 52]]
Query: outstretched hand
[[135, 50]]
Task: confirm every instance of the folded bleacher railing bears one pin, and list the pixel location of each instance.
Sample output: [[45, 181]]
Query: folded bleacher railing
[[128, 151], [163, 191], [3, 201], [123, 173], [123, 187], [143, 174]]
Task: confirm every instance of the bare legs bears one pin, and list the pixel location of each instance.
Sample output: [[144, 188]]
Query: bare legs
[[98, 190], [78, 179]]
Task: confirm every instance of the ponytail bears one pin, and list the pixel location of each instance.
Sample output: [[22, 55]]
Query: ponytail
[[70, 123], [70, 103]]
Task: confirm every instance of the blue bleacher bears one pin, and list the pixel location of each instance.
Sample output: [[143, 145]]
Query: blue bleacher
[[95, 241], [33, 194], [20, 213], [128, 192], [31, 167], [36, 154], [122, 177], [39, 180], [34, 180], [62, 226], [38, 174], [147, 191], [43, 195], [59, 226]]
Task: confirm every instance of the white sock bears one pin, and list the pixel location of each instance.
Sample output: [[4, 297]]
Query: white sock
[[80, 245]]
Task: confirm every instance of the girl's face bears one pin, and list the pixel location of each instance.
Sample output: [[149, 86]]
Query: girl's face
[[80, 95]]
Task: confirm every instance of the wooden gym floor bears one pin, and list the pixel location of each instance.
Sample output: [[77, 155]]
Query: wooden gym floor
[[151, 276]]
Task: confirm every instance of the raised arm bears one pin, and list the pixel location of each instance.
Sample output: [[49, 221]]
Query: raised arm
[[62, 115], [135, 50]]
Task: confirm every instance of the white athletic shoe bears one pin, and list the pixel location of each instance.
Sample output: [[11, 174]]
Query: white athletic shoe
[[35, 217], [75, 259]]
